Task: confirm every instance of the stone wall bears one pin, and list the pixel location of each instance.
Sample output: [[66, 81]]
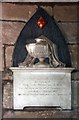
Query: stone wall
[[14, 16]]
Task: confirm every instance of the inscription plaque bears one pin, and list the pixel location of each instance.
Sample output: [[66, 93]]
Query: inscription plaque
[[42, 87]]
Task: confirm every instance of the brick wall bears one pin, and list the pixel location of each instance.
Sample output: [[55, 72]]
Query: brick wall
[[14, 16]]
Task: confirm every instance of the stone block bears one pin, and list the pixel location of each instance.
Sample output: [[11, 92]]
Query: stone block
[[48, 9], [78, 55], [39, 114], [11, 31], [74, 94], [0, 45], [0, 94], [75, 76], [8, 56], [49, 113], [69, 31], [73, 54], [75, 97], [7, 95], [15, 11], [64, 12], [75, 60], [2, 57], [8, 114], [78, 94], [34, 84], [7, 75]]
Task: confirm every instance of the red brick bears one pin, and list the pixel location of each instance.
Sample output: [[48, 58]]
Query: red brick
[[11, 31], [13, 11], [0, 47], [65, 12], [1, 62], [21, 11], [2, 57], [8, 55]]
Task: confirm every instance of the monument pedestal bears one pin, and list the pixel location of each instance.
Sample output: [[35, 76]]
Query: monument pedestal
[[45, 87]]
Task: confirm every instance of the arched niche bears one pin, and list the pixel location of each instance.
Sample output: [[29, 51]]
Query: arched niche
[[31, 31]]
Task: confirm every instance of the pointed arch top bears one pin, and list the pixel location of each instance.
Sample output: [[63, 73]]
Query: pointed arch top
[[31, 31]]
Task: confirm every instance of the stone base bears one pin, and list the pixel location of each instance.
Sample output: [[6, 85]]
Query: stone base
[[42, 87]]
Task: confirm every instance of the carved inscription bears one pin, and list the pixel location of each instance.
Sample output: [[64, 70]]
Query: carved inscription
[[42, 87]]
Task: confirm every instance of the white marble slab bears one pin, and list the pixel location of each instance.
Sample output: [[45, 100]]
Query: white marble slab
[[41, 87]]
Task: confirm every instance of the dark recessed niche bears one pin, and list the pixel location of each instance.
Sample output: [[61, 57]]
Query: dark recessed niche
[[31, 31]]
